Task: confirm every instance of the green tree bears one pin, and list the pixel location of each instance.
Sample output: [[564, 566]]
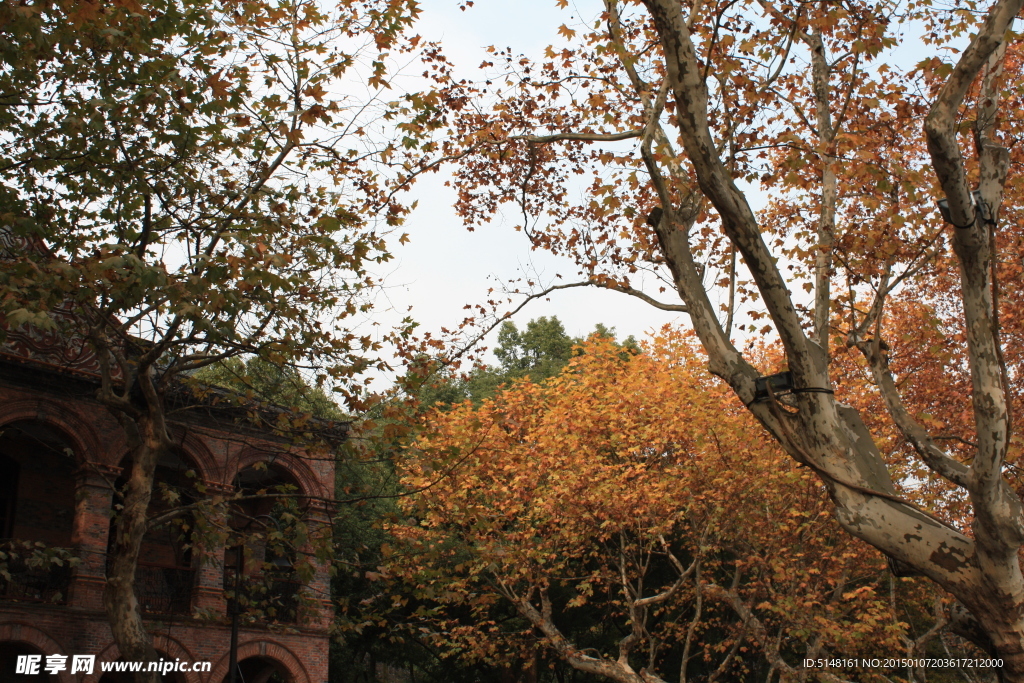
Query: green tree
[[536, 353], [540, 351], [259, 380], [182, 184]]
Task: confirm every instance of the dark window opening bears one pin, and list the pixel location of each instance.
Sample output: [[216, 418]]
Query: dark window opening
[[268, 588], [9, 469], [165, 576], [37, 506], [9, 653], [260, 670]]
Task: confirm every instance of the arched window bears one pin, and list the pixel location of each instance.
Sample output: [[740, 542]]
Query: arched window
[[37, 505], [38, 491], [261, 670], [165, 575], [9, 653], [265, 480], [260, 562]]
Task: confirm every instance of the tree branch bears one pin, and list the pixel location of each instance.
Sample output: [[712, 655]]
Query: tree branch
[[739, 223], [594, 137], [999, 529], [936, 458]]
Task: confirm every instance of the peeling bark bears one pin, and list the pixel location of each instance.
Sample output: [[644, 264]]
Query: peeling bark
[[829, 192], [982, 571], [146, 428], [123, 610]]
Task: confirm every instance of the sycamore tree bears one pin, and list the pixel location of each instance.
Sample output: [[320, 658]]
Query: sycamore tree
[[184, 182], [637, 148], [636, 531]]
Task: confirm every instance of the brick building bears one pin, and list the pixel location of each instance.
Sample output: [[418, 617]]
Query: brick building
[[60, 459]]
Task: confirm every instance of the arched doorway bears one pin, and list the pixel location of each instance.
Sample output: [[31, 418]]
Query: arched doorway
[[37, 505], [261, 670], [9, 653]]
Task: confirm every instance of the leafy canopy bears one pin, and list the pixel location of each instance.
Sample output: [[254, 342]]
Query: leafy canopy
[[607, 518]]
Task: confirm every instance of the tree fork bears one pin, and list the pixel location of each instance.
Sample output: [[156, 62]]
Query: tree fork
[[984, 575]]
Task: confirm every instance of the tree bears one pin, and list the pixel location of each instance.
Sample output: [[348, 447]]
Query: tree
[[611, 508], [183, 183], [539, 351], [671, 110], [258, 380], [536, 353], [542, 348]]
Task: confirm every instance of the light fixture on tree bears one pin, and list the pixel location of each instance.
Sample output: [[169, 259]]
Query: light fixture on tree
[[780, 384], [980, 206], [773, 385], [900, 569]]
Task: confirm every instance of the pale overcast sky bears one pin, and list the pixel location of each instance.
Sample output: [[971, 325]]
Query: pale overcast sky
[[445, 266]]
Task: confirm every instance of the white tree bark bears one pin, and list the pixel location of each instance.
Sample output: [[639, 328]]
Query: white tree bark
[[983, 572]]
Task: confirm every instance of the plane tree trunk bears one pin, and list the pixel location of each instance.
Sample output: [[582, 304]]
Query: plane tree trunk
[[981, 570]]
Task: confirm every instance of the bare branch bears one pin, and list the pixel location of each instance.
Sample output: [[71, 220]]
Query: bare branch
[[716, 183], [936, 458], [576, 658], [593, 137], [940, 126]]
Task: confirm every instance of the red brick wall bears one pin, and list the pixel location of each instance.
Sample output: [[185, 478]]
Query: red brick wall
[[69, 503]]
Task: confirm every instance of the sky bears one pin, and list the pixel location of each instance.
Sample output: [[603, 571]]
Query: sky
[[445, 267]]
